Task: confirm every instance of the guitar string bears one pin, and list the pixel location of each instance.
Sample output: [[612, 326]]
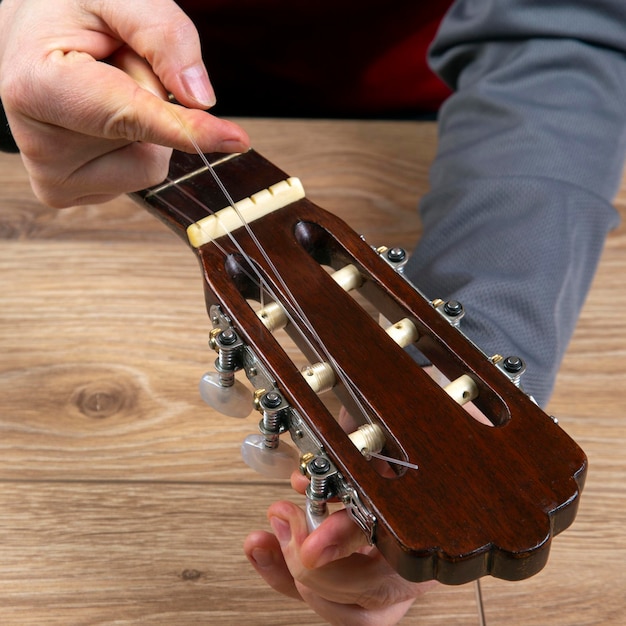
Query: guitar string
[[287, 313], [261, 284], [480, 607], [286, 292], [259, 281]]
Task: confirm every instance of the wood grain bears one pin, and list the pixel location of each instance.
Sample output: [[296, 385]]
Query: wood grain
[[122, 497]]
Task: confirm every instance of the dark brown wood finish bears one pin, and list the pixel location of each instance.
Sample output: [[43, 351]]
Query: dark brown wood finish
[[485, 500]]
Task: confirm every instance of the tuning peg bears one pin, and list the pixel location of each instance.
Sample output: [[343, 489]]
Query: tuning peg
[[234, 400], [278, 462]]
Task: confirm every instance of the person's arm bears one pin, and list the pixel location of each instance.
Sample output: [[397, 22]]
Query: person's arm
[[85, 89], [530, 155]]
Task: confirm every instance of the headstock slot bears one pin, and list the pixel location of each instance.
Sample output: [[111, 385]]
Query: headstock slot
[[326, 249]]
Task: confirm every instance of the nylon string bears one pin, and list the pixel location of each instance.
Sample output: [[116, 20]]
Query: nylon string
[[265, 287]]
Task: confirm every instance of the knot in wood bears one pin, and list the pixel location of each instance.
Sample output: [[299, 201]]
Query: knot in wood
[[101, 399], [191, 574]]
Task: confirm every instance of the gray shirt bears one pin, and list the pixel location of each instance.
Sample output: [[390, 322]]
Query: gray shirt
[[530, 156]]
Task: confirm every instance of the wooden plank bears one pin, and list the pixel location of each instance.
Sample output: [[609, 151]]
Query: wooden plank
[[129, 553], [161, 553], [115, 478]]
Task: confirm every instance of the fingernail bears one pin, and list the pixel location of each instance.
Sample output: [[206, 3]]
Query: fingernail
[[232, 145], [281, 529], [262, 558], [197, 84]]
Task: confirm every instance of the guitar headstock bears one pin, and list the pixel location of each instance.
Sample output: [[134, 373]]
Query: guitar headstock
[[459, 498]]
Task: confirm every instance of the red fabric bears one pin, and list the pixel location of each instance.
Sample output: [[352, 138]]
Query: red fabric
[[320, 57]]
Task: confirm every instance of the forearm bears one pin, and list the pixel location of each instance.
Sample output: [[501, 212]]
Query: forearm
[[530, 155]]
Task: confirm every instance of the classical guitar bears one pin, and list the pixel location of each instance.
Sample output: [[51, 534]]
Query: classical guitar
[[456, 499]]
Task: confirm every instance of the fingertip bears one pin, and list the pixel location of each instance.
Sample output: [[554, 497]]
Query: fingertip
[[261, 548], [264, 554], [288, 521], [232, 146], [299, 482], [282, 508], [337, 537], [282, 530]]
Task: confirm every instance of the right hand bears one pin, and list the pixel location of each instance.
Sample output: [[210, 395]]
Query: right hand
[[85, 85]]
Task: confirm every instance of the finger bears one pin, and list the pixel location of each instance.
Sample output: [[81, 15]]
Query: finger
[[335, 538], [363, 579], [366, 580], [163, 34], [299, 482], [127, 60], [107, 103], [263, 551], [129, 168], [302, 551]]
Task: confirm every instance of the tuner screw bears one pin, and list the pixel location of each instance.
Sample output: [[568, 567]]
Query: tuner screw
[[396, 255], [271, 400], [318, 466], [453, 308], [222, 338], [318, 490], [274, 422], [227, 337], [513, 364]]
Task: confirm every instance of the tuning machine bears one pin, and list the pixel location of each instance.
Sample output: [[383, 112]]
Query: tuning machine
[[220, 389], [322, 487], [265, 452]]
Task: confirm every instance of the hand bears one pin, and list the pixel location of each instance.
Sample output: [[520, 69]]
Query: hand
[[85, 85], [333, 569]]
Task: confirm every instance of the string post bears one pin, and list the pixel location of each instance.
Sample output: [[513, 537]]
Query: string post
[[320, 471], [273, 316], [369, 439], [403, 332], [229, 348], [320, 376], [273, 407]]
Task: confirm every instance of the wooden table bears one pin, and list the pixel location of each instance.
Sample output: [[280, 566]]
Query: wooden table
[[122, 497]]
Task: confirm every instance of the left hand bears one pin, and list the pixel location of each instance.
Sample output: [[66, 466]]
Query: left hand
[[334, 570]]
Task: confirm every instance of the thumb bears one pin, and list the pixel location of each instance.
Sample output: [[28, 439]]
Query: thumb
[[160, 32]]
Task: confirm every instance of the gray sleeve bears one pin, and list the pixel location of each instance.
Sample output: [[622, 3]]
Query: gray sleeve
[[530, 156]]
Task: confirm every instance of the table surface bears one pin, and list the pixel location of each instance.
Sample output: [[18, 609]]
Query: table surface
[[122, 496]]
